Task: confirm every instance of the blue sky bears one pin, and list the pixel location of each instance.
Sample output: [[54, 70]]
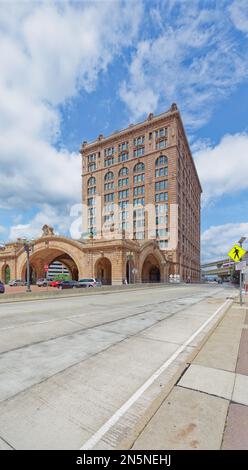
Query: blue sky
[[71, 70]]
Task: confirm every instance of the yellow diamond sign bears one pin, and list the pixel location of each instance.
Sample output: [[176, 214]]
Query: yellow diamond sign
[[236, 253]]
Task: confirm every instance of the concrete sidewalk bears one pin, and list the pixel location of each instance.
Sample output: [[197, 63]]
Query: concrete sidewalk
[[208, 407]]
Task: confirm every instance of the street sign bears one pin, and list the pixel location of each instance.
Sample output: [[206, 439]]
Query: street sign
[[236, 253], [240, 265], [46, 267]]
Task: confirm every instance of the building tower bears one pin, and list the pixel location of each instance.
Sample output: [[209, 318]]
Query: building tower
[[141, 183]]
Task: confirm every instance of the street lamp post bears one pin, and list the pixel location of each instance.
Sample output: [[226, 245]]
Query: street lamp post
[[28, 246], [241, 241]]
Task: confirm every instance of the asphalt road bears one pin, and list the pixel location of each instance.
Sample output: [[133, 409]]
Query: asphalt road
[[68, 365]]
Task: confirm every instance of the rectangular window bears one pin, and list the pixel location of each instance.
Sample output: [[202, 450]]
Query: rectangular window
[[123, 226], [162, 220], [123, 157], [161, 133], [123, 146], [139, 235], [159, 185], [109, 151], [138, 213], [123, 182], [161, 209], [161, 172], [123, 204], [139, 223], [139, 140], [92, 190], [108, 208], [92, 158], [108, 186], [91, 221], [123, 215], [163, 244], [150, 135], [139, 201], [109, 218], [161, 197], [161, 144], [139, 178], [139, 152], [91, 211], [108, 197], [91, 167], [109, 161], [123, 194], [139, 190], [91, 201], [161, 232]]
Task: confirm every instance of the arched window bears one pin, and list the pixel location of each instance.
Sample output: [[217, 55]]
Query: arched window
[[91, 181], [139, 167], [162, 160], [109, 176], [123, 171]]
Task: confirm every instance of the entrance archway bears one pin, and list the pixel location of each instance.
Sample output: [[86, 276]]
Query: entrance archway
[[103, 271], [151, 270], [47, 256], [5, 275]]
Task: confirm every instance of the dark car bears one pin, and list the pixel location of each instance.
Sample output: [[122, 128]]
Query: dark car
[[67, 285], [2, 288]]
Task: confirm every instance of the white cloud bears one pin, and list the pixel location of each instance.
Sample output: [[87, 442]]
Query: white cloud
[[48, 215], [194, 61], [218, 240], [49, 52], [223, 168], [2, 229], [239, 15]]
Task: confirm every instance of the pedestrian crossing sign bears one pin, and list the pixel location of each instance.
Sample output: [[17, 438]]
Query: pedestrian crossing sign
[[236, 253]]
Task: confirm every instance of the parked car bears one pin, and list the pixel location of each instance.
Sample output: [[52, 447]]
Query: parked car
[[90, 282], [43, 282], [67, 285], [2, 288], [54, 283], [16, 282]]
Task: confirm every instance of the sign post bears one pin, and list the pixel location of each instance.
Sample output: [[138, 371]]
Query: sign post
[[46, 267], [236, 254]]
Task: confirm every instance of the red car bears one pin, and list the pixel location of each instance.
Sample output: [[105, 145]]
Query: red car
[[54, 283]]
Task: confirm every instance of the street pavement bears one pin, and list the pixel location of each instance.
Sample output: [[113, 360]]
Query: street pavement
[[208, 407], [90, 371]]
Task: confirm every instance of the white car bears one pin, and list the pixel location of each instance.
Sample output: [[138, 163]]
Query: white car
[[89, 282]]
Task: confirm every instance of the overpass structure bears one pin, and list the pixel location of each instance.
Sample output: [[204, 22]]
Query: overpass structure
[[223, 268]]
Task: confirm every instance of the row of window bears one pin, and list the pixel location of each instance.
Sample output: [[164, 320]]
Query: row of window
[[140, 140], [138, 191], [160, 209], [138, 168], [159, 186], [139, 152]]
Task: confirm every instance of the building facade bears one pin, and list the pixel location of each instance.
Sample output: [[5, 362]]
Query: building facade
[[141, 184], [141, 211]]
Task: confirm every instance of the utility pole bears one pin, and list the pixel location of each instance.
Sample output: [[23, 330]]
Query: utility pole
[[241, 241]]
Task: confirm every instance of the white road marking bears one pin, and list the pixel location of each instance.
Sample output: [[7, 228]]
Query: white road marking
[[88, 445]]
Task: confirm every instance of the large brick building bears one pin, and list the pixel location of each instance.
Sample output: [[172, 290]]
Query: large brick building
[[141, 184], [141, 211]]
